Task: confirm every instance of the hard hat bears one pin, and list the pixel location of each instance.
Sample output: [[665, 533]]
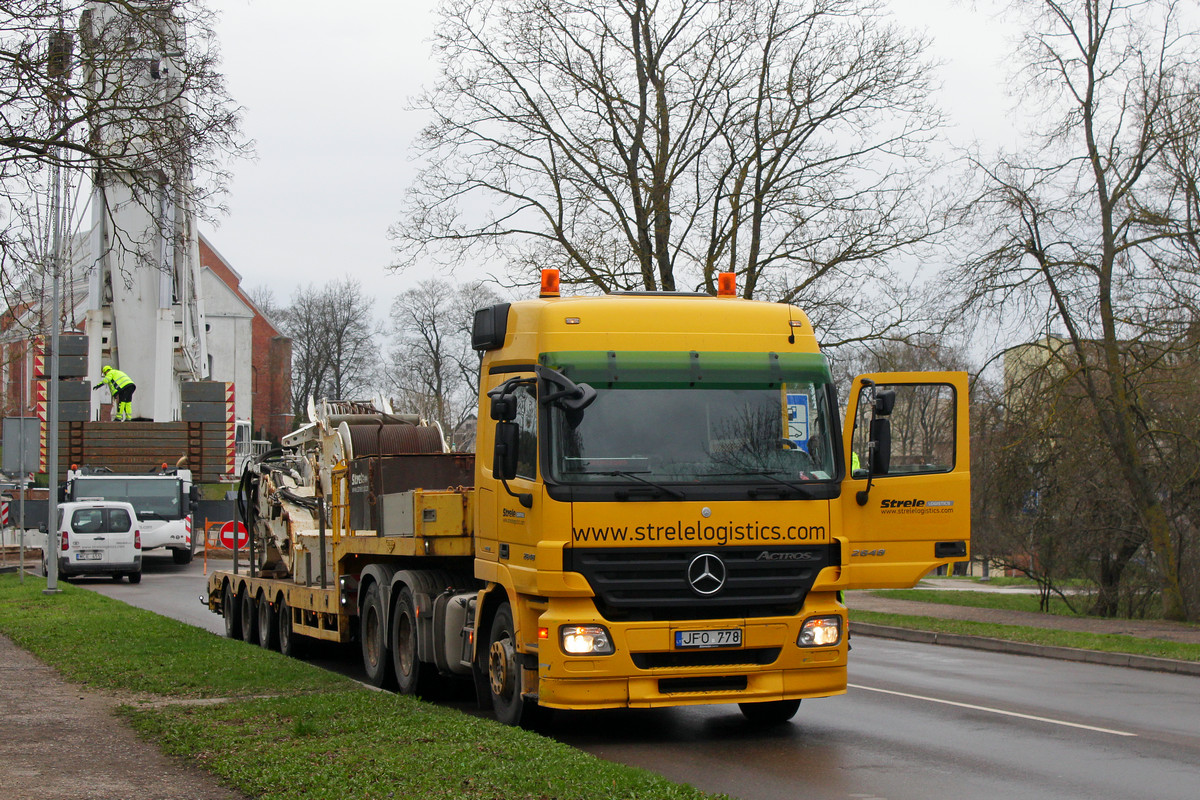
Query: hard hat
[[105, 368]]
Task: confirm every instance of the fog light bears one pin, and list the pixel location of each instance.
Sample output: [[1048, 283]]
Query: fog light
[[820, 632], [585, 640]]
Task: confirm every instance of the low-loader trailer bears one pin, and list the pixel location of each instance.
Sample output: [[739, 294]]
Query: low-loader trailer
[[665, 509]]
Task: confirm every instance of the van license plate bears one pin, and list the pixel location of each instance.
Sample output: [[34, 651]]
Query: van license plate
[[88, 555], [722, 637]]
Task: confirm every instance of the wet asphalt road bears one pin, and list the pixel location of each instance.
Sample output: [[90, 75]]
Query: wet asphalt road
[[919, 721]]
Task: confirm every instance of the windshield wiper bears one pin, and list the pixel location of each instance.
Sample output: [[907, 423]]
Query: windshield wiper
[[620, 473], [806, 491]]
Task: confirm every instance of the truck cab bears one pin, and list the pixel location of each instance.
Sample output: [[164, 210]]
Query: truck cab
[[667, 507], [163, 502]]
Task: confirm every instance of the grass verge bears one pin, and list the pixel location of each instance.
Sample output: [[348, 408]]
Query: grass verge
[[1104, 642], [1015, 601], [318, 736]]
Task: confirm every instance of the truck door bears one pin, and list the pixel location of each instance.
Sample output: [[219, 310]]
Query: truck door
[[906, 500]]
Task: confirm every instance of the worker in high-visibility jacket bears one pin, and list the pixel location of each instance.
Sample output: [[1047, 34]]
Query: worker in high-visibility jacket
[[121, 387]]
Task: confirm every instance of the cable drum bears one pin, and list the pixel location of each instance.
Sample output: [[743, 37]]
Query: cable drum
[[390, 440]]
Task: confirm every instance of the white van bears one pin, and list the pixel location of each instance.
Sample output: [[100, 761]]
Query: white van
[[97, 537]]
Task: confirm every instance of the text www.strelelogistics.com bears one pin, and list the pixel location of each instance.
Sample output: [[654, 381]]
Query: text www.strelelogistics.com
[[700, 533]]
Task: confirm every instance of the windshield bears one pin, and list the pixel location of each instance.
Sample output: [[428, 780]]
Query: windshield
[[687, 418], [152, 498]]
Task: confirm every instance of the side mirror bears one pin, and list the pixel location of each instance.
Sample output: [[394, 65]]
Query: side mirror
[[42, 527], [881, 438], [885, 401], [504, 408], [504, 460]]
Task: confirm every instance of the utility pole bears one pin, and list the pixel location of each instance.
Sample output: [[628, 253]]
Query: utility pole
[[58, 68]]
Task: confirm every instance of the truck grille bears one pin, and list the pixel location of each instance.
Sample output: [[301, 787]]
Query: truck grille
[[634, 584]]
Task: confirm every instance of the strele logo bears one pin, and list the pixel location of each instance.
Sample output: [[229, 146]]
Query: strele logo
[[508, 512], [766, 555], [706, 574], [902, 503]]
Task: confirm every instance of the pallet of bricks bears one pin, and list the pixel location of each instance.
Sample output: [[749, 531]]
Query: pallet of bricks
[[203, 441]]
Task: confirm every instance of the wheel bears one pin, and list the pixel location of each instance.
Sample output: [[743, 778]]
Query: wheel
[[233, 616], [406, 663], [505, 677], [116, 576], [268, 625], [249, 618], [373, 636], [182, 556], [135, 577], [289, 641], [772, 712]]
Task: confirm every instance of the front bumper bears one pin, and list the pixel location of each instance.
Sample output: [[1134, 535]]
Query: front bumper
[[647, 671]]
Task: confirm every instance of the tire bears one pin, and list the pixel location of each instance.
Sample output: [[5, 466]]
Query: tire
[[505, 677], [135, 577], [233, 615], [116, 576], [290, 642], [249, 618], [182, 556], [268, 625], [773, 712], [411, 674], [373, 636]]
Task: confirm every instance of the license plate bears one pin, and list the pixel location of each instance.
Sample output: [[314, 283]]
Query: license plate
[[88, 555], [722, 637]]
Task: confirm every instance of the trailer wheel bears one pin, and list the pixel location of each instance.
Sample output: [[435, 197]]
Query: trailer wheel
[[406, 661], [182, 556], [504, 671], [289, 640], [268, 624], [772, 712], [249, 617], [233, 619], [373, 635]]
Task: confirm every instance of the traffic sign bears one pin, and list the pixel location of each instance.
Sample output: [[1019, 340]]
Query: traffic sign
[[226, 535]]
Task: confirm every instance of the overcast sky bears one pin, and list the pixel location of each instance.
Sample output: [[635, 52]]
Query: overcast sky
[[326, 94]]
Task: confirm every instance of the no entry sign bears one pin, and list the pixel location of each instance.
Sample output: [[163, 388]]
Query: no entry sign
[[226, 535]]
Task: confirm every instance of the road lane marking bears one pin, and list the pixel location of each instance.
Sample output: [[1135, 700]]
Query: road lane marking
[[989, 710]]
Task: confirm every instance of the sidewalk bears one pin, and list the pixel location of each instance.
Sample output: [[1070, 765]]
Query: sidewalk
[[1146, 629], [59, 740]]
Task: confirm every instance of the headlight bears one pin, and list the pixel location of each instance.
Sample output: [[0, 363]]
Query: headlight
[[820, 632], [585, 640]]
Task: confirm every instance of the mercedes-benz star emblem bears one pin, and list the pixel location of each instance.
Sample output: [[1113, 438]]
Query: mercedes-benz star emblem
[[706, 574]]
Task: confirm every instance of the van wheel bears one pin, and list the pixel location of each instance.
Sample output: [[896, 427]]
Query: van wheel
[[135, 577], [772, 712], [116, 576], [249, 617], [233, 617], [182, 556], [505, 676], [373, 636], [289, 640], [268, 625]]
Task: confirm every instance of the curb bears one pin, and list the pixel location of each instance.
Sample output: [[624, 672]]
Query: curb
[[1025, 649]]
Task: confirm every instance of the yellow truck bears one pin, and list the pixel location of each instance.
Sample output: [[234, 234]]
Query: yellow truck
[[665, 509]]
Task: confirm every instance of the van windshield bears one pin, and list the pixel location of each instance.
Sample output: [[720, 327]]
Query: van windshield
[[695, 418], [151, 497]]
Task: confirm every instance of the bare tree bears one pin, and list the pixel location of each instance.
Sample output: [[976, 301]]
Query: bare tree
[[115, 92], [334, 343], [433, 368], [1089, 230], [650, 145]]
